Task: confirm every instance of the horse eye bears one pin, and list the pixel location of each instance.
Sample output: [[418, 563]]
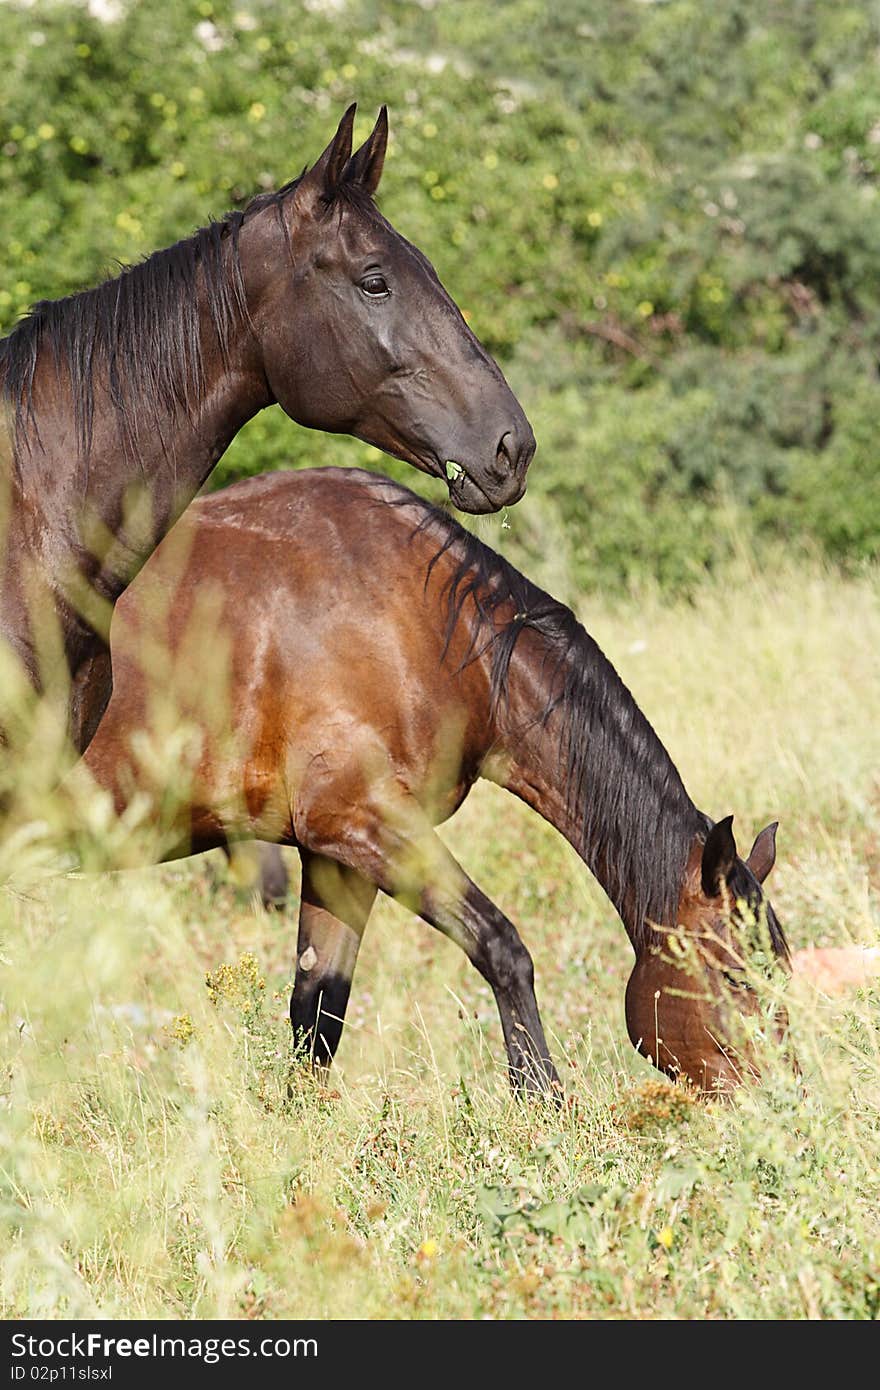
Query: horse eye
[[375, 286], [738, 982]]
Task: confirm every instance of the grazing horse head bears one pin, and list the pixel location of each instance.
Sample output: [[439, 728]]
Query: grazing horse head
[[358, 335], [691, 996]]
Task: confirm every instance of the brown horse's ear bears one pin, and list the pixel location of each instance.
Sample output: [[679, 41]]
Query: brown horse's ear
[[366, 165], [763, 852], [325, 175], [719, 856]]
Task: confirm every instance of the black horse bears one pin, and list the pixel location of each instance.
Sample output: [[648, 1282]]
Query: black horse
[[120, 400]]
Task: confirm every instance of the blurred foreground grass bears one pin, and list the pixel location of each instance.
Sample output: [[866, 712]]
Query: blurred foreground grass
[[158, 1159]]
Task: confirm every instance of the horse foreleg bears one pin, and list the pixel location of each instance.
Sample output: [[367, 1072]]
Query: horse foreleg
[[399, 850], [493, 944], [336, 903]]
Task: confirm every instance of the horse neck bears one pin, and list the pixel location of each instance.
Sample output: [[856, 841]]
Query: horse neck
[[144, 445], [578, 749]]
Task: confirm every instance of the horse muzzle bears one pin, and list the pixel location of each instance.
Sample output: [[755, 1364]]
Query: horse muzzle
[[487, 487]]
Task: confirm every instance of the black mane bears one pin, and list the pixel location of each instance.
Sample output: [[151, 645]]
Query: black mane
[[637, 822], [142, 327]]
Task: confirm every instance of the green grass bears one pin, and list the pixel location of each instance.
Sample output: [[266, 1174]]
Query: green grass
[[158, 1160]]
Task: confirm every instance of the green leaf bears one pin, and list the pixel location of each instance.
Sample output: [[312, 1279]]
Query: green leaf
[[678, 1179]]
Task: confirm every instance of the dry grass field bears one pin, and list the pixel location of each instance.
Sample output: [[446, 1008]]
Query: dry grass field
[[160, 1159]]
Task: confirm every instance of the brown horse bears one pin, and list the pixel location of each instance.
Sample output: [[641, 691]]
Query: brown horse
[[115, 404], [365, 699]]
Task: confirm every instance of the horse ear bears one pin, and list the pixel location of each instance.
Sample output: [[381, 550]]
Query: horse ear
[[719, 856], [366, 165], [762, 856], [325, 175]]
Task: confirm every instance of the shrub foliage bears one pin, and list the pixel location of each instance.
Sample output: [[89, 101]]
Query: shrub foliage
[[662, 218]]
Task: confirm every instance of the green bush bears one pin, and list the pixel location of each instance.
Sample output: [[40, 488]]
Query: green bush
[[663, 219]]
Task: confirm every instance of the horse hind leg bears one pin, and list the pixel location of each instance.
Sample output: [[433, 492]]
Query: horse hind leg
[[334, 909], [274, 883], [260, 864]]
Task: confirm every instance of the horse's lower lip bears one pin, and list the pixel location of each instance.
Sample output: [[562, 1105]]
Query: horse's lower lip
[[469, 495], [466, 494]]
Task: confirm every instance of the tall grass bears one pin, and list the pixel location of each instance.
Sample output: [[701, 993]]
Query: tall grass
[[160, 1159]]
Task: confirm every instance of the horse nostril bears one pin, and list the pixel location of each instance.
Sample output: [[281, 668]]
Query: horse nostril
[[503, 453], [514, 452]]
